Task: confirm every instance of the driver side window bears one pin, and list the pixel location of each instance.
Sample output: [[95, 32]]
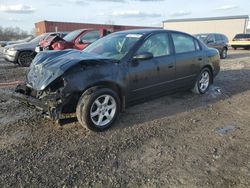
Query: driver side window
[[90, 37], [157, 44]]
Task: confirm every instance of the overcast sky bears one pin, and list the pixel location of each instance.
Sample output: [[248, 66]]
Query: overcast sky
[[24, 13]]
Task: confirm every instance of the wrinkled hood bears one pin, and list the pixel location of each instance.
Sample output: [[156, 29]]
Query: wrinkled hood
[[22, 46], [49, 65], [49, 40]]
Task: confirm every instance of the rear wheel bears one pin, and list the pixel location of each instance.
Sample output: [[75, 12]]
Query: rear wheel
[[203, 82], [24, 59], [223, 54], [235, 48], [98, 108]]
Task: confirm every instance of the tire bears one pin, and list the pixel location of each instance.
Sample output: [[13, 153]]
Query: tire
[[25, 59], [98, 116], [223, 54], [198, 87]]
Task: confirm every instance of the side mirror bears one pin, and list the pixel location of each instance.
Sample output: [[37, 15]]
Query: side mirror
[[143, 56]]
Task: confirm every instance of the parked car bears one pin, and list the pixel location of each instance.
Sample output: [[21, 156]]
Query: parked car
[[3, 43], [241, 41], [27, 39], [23, 53], [78, 39], [117, 71], [215, 40], [46, 44]]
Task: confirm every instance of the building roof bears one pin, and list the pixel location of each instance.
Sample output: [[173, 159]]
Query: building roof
[[208, 18], [95, 24]]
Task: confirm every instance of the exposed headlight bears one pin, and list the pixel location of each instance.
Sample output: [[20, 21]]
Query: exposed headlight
[[12, 49]]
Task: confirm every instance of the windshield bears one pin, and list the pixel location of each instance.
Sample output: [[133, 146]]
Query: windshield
[[114, 46], [38, 38], [202, 37], [72, 35]]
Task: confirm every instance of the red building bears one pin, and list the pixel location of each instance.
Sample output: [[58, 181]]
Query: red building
[[51, 26]]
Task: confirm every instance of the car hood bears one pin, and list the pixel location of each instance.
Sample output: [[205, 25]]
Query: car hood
[[49, 65], [49, 40], [23, 46]]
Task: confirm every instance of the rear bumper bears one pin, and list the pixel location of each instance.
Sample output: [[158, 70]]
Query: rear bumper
[[240, 44]]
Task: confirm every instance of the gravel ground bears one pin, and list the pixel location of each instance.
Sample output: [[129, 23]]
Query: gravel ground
[[181, 140]]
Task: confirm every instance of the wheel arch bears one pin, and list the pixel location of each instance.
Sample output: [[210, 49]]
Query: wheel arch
[[210, 69], [110, 85], [22, 51]]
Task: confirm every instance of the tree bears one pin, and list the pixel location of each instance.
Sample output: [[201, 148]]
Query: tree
[[12, 33]]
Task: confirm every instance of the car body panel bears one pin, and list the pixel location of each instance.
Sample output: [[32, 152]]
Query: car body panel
[[49, 65]]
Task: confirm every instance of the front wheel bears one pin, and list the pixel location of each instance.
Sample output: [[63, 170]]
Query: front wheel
[[25, 59], [98, 108], [203, 82]]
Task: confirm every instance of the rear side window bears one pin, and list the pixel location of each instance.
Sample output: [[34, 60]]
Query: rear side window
[[157, 44], [90, 37], [197, 45], [224, 38], [218, 38], [183, 43]]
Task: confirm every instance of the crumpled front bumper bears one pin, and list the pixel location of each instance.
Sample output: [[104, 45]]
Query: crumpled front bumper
[[49, 105]]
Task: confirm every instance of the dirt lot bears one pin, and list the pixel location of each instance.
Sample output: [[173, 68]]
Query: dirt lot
[[182, 140]]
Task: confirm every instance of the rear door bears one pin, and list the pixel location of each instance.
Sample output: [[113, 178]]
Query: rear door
[[188, 57], [156, 75], [219, 44], [86, 39]]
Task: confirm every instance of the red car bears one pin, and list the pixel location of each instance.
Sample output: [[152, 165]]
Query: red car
[[78, 39]]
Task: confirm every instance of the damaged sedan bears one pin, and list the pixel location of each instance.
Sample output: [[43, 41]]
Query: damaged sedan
[[119, 70]]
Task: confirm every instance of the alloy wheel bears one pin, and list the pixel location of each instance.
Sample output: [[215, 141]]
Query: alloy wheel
[[204, 81], [25, 59], [103, 110]]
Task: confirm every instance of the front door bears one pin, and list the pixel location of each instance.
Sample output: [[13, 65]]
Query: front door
[[156, 75]]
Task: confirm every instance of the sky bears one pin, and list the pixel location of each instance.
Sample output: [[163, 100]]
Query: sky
[[24, 13]]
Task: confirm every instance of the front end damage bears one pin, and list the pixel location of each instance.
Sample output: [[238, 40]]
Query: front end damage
[[50, 102], [56, 80]]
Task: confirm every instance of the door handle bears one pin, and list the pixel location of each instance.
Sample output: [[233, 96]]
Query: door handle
[[200, 59], [171, 66]]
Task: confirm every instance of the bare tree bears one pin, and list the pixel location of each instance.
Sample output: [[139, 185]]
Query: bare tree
[[12, 33]]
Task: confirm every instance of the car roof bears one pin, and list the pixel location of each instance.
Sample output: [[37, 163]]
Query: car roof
[[209, 34], [147, 31]]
